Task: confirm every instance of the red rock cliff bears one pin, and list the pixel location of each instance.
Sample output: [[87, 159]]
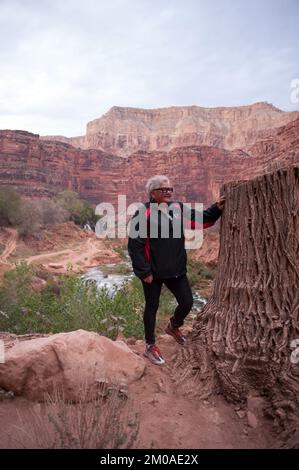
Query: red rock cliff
[[40, 168]]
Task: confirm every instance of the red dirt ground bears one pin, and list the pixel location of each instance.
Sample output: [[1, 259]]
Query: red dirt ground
[[168, 419]]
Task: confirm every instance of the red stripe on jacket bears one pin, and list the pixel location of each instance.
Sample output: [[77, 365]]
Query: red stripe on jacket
[[147, 243], [194, 224]]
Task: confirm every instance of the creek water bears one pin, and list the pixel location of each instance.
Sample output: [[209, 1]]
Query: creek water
[[107, 276]]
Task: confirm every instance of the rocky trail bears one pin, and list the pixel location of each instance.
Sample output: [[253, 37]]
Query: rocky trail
[[78, 257], [84, 253], [10, 245], [171, 419]]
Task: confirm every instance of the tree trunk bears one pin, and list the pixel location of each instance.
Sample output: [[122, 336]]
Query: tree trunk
[[242, 339]]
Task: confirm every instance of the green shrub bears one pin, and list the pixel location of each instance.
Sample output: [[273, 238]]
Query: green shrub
[[28, 215], [122, 268], [122, 251], [80, 211], [75, 304], [10, 205], [196, 270], [50, 212]]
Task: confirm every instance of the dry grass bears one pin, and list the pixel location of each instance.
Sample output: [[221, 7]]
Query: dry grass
[[104, 422]]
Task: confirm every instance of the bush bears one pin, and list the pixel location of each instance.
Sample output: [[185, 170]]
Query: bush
[[75, 304], [51, 212], [122, 251], [28, 215], [29, 220], [196, 269], [105, 422], [80, 211], [10, 205], [14, 210]]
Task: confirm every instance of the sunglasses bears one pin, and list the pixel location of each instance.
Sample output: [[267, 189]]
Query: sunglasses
[[164, 190]]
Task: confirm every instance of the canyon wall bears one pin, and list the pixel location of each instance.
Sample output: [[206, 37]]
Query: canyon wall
[[40, 168], [123, 131]]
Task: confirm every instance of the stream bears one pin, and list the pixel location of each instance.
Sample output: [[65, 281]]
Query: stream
[[107, 276]]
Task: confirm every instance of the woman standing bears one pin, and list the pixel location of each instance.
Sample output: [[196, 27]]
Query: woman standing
[[158, 259]]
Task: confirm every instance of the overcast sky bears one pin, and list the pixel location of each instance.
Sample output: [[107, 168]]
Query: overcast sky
[[66, 62]]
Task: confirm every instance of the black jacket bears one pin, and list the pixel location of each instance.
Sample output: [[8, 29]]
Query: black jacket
[[150, 252]]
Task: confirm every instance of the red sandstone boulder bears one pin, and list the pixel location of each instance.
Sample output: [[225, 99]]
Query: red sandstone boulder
[[68, 362]]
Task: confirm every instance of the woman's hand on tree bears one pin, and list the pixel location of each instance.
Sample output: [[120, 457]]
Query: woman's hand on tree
[[220, 203]]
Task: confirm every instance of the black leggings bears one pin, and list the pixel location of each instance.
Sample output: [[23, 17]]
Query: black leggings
[[181, 289]]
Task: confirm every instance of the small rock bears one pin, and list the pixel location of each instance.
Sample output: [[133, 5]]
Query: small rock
[[153, 401], [131, 341], [6, 394], [241, 414], [160, 385], [123, 392], [252, 420], [37, 408]]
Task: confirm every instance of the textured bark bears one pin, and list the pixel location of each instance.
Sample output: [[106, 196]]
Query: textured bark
[[241, 341]]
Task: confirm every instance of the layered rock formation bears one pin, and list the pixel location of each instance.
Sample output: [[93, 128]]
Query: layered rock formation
[[123, 131], [280, 148], [40, 168]]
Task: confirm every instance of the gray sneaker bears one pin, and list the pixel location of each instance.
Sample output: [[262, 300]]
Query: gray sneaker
[[153, 353]]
